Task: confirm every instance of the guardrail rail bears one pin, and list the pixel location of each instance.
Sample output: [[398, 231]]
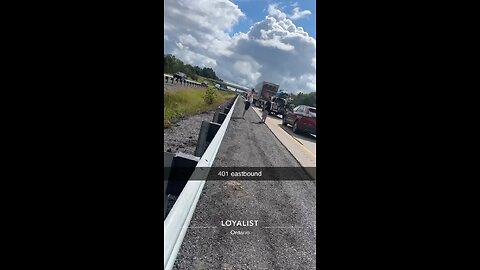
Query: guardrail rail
[[178, 219]]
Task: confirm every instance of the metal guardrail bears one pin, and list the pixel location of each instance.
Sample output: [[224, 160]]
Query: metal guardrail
[[188, 81], [178, 219]]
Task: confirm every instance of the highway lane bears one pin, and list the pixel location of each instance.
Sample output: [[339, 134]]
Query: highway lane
[[308, 140], [302, 147], [285, 235]]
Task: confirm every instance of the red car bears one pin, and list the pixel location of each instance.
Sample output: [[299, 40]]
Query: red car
[[302, 118]]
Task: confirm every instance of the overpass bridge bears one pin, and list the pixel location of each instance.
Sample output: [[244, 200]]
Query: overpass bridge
[[232, 85]]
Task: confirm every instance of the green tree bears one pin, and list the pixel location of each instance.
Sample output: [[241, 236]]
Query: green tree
[[309, 99], [171, 65]]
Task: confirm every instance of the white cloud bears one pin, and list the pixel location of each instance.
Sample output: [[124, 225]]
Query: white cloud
[[275, 12], [274, 49], [297, 14]]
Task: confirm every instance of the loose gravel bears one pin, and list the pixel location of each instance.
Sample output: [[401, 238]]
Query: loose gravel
[[183, 135]]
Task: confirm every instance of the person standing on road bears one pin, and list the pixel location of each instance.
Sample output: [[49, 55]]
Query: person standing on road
[[266, 111], [248, 102]]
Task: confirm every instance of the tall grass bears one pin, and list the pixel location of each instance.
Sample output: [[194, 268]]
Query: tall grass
[[184, 102]]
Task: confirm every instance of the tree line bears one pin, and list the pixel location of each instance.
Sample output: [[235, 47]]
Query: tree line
[[309, 99], [171, 65]]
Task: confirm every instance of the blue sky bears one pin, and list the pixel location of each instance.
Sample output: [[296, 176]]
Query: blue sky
[[256, 10], [246, 41]]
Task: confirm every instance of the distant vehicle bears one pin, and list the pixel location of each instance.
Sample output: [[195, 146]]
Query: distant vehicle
[[205, 84], [303, 119], [279, 106], [217, 86], [279, 103], [179, 75], [264, 91]]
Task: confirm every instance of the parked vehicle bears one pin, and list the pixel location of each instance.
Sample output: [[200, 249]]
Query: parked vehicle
[[303, 119], [280, 103], [179, 75], [264, 91], [279, 106]]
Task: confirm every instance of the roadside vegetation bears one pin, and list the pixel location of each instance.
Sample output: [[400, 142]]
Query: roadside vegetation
[[187, 101], [210, 95], [309, 99]]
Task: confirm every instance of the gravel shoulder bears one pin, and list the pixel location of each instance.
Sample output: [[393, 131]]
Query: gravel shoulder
[[183, 135], [285, 237]]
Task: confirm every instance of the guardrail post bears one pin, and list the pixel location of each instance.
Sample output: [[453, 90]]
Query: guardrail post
[[182, 169], [167, 164], [218, 117], [207, 133], [226, 109]]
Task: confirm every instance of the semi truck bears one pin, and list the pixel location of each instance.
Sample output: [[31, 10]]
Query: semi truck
[[264, 91], [279, 103], [269, 91]]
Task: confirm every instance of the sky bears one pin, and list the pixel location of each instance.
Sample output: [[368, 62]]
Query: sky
[[246, 41]]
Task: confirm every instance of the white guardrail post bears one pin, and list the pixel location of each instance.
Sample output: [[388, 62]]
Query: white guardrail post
[[176, 224]]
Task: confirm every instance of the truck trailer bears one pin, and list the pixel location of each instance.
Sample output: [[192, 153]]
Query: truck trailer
[[264, 91]]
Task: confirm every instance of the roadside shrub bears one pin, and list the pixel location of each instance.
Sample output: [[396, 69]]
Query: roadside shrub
[[210, 95]]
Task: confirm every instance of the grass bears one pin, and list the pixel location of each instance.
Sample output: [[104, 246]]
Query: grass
[[186, 101]]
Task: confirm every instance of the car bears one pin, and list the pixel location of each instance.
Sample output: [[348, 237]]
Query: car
[[180, 76], [279, 106], [302, 118]]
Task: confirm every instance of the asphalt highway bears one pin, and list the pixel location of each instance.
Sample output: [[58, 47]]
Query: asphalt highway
[[305, 139], [284, 212], [301, 146]]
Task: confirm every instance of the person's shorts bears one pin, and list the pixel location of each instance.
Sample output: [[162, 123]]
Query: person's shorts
[[264, 113], [247, 105]]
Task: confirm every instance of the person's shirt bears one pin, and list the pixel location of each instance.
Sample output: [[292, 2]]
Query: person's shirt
[[250, 97], [268, 106]]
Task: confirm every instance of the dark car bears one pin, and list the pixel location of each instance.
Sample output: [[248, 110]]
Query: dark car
[[279, 106], [179, 75], [303, 119]]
